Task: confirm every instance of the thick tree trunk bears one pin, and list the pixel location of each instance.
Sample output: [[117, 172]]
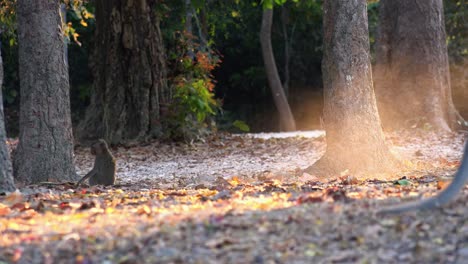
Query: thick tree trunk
[[6, 174], [281, 102], [355, 141], [412, 81], [45, 149], [129, 73]]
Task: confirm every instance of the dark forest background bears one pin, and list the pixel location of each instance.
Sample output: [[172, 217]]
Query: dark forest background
[[230, 30]]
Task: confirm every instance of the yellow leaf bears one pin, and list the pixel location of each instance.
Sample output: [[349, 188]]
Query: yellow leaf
[[145, 209], [83, 23], [87, 15]]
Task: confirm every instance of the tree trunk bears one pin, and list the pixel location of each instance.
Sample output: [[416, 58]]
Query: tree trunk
[[6, 175], [287, 48], [355, 141], [281, 102], [189, 27], [412, 81], [45, 149], [129, 74]]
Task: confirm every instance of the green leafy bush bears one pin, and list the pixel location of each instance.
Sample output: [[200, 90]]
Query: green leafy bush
[[193, 103]]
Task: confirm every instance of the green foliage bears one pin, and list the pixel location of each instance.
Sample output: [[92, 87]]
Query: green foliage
[[8, 21], [241, 80], [268, 4], [456, 22], [79, 33], [8, 44], [193, 104], [78, 12], [232, 28], [241, 125], [78, 15]]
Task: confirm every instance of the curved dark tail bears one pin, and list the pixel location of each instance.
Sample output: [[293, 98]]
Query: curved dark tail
[[442, 198]]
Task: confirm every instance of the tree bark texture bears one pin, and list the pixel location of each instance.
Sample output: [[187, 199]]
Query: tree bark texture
[[355, 140], [129, 70], [6, 173], [412, 79], [45, 149], [279, 97]]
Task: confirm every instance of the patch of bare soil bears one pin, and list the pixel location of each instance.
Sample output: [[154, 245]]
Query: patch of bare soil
[[238, 199]]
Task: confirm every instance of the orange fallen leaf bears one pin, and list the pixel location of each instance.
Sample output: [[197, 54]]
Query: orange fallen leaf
[[13, 198], [4, 210], [145, 209], [79, 259], [442, 184], [234, 181], [308, 198], [20, 206]]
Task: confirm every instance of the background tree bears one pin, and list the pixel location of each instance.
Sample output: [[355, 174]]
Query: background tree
[[412, 79], [279, 96], [6, 174], [354, 137], [45, 149], [230, 27], [128, 65], [456, 25]]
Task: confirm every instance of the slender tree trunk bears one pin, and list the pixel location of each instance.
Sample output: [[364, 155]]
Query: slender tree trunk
[[412, 79], [355, 141], [45, 149], [6, 174], [129, 88], [189, 27], [281, 102], [287, 48]]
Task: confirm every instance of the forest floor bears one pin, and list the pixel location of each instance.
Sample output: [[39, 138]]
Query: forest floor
[[240, 199]]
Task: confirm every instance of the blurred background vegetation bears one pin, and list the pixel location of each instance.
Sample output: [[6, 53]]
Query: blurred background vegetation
[[227, 34]]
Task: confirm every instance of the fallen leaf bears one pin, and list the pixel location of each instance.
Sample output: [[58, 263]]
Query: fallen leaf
[[4, 210], [309, 198], [13, 198], [442, 184], [403, 182]]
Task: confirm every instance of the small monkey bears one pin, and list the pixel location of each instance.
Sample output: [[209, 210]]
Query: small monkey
[[442, 198], [103, 171]]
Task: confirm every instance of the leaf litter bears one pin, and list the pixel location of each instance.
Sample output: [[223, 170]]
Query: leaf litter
[[239, 199]]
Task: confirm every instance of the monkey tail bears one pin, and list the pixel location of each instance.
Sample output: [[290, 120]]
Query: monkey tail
[[442, 198]]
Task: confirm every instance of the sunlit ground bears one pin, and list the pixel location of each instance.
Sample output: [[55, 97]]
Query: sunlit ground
[[259, 218], [303, 134]]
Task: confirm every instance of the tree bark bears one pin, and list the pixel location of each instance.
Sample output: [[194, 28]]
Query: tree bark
[[412, 79], [129, 87], [287, 48], [6, 174], [45, 149], [281, 102], [189, 27], [355, 140]]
